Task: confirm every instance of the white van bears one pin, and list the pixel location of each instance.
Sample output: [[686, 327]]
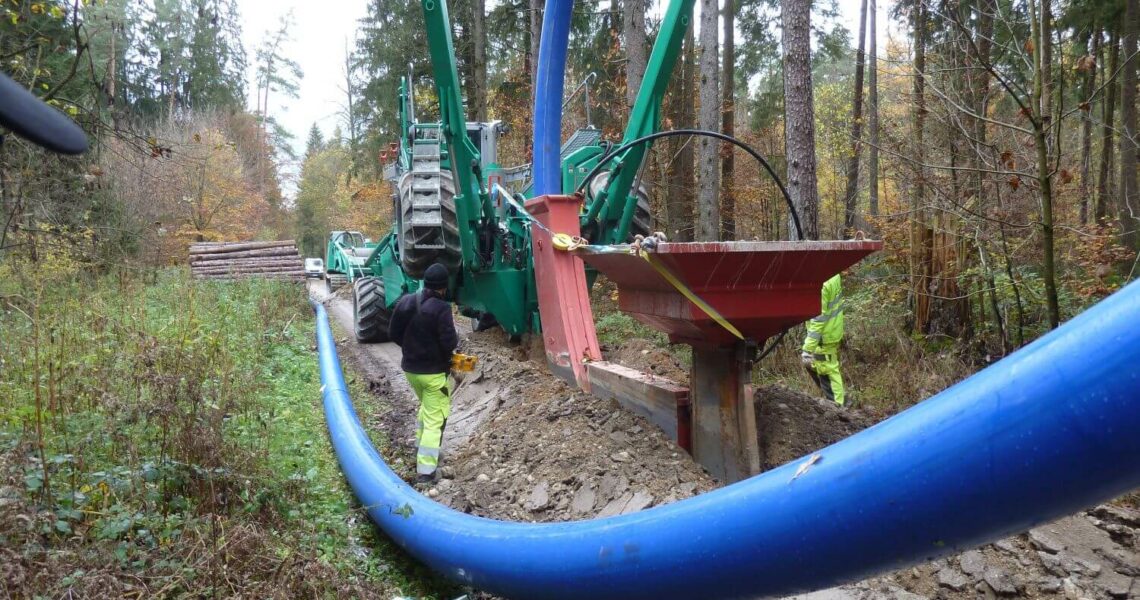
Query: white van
[[314, 267]]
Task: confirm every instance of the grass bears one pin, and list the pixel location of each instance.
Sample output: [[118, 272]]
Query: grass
[[167, 440]]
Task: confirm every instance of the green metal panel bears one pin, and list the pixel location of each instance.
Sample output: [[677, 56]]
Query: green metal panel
[[503, 294]]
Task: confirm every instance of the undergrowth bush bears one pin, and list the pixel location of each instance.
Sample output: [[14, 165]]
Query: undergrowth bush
[[168, 440]]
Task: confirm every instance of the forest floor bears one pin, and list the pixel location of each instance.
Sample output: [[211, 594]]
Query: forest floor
[[522, 445]]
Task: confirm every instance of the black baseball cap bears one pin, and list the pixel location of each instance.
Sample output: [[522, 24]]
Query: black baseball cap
[[32, 119]]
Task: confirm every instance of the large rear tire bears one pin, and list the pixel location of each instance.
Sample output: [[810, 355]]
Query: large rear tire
[[642, 223], [370, 316], [413, 257]]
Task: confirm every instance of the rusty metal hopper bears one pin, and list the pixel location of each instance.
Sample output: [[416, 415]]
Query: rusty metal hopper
[[759, 287]]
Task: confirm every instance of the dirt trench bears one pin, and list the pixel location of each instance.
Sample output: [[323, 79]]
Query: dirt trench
[[522, 445]]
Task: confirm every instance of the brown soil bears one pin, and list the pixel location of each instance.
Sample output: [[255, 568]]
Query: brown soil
[[646, 356], [551, 453], [791, 424]]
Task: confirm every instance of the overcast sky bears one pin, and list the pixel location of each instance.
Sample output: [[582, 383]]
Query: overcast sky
[[319, 34]]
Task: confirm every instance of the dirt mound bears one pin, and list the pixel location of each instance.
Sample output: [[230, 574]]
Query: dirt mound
[[644, 355], [528, 447], [791, 424]]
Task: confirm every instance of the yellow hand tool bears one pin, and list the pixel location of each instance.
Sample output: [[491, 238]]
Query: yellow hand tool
[[463, 362]]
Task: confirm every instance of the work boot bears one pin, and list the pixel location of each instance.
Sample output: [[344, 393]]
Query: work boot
[[425, 479]]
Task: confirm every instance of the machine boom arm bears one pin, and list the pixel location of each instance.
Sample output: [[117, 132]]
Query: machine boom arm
[[472, 202]]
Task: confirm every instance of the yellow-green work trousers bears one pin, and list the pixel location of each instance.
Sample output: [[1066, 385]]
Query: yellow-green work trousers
[[435, 406], [824, 370]]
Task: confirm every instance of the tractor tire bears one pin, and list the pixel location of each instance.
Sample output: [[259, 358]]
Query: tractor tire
[[642, 223], [416, 260], [333, 281], [370, 316]]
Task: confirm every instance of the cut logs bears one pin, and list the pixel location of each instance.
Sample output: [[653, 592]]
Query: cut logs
[[240, 260]]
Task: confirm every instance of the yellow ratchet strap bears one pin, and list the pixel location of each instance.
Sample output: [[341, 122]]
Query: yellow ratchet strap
[[685, 291]]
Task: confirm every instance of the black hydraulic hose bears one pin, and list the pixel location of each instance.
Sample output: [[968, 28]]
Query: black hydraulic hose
[[720, 136], [713, 134]]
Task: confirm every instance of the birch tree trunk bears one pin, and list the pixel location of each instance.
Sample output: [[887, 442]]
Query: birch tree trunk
[[708, 151], [799, 117]]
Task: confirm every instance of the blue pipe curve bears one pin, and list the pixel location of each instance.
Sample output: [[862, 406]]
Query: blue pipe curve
[[1049, 430]]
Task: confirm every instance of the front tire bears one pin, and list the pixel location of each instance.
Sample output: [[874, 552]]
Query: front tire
[[370, 316]]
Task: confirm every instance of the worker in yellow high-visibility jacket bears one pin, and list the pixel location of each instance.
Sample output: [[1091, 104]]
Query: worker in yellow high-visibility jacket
[[821, 346]]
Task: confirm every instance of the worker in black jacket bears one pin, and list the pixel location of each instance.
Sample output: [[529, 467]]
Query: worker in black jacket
[[423, 328]]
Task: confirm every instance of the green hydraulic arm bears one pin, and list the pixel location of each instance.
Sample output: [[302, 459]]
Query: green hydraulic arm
[[473, 205], [613, 208]]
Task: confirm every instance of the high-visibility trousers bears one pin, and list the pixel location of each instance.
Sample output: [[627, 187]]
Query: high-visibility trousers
[[824, 370], [435, 406]]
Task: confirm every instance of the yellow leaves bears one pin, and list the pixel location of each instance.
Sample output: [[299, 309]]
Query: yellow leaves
[[41, 8]]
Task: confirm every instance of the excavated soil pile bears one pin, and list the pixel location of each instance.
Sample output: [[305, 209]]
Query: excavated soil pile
[[791, 424], [543, 451], [644, 355]]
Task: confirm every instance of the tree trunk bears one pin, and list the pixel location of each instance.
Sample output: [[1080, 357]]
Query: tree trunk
[[479, 42], [1129, 209], [921, 234], [728, 125], [799, 116], [680, 194], [535, 38], [873, 117], [636, 44], [1088, 84], [851, 194], [708, 149], [1044, 174], [1107, 147]]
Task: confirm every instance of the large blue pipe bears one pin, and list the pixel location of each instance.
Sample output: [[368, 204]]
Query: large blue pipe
[[548, 96], [1045, 432]]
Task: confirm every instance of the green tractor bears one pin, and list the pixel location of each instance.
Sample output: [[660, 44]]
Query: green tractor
[[453, 203]]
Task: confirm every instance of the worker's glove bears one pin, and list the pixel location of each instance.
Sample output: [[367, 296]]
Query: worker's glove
[[807, 358]]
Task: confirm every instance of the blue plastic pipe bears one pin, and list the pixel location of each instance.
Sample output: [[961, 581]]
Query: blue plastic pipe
[[1047, 431], [548, 96]]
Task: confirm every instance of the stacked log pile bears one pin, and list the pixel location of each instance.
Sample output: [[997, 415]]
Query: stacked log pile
[[237, 260]]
